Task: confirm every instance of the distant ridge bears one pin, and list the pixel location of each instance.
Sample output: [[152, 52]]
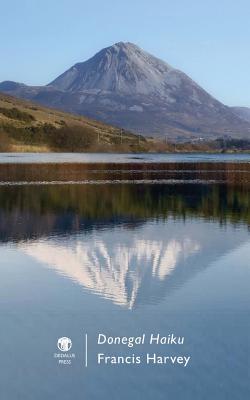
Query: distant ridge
[[127, 87]]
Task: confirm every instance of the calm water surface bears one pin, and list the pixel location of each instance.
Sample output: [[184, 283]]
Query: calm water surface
[[123, 260], [119, 158]]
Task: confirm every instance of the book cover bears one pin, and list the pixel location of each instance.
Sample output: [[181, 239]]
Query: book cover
[[124, 200]]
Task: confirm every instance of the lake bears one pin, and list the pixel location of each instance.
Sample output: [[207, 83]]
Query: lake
[[124, 249], [121, 158]]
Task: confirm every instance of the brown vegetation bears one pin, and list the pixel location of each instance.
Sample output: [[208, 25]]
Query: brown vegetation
[[4, 142], [15, 113], [28, 127]]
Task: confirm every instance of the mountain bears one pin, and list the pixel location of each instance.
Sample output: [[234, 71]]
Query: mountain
[[127, 87], [242, 112]]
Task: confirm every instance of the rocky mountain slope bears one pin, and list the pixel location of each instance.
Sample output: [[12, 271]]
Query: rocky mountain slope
[[242, 112], [127, 87]]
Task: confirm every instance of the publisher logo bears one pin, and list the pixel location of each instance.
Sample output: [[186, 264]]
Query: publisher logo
[[64, 344]]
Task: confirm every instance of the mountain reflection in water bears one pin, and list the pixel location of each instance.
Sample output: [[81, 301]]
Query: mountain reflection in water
[[123, 260], [130, 244], [138, 267]]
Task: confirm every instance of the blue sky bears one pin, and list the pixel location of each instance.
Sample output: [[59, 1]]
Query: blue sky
[[209, 40]]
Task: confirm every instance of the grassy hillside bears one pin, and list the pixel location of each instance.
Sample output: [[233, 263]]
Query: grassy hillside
[[25, 126], [28, 127]]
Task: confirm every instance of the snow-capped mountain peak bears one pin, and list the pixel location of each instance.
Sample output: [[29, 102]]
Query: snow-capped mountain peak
[[123, 68]]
